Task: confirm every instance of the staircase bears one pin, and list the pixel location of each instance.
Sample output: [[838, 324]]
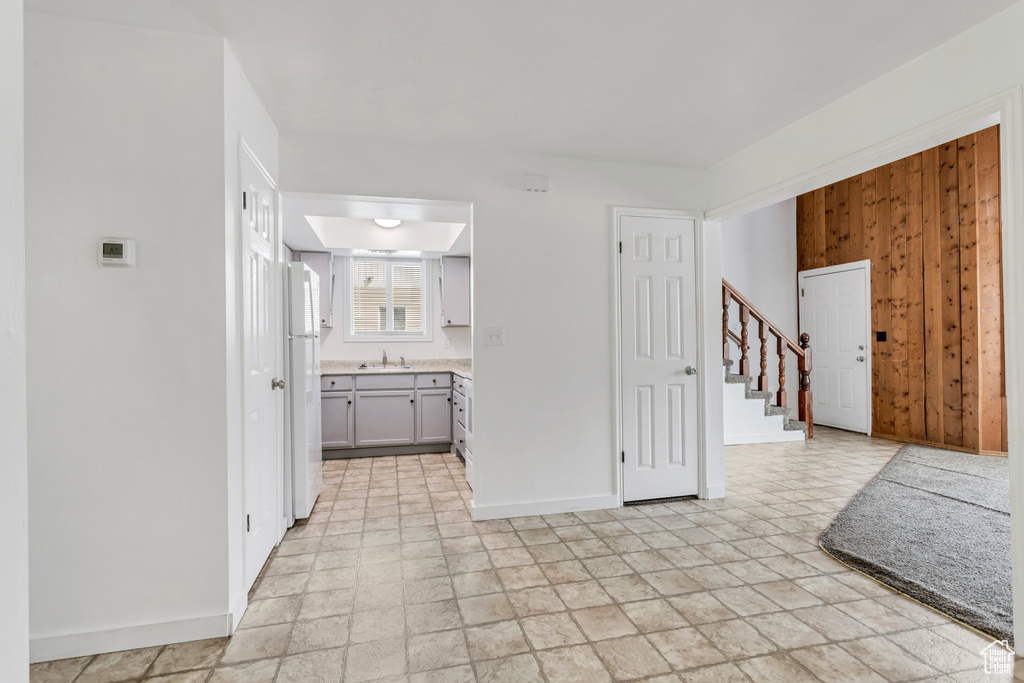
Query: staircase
[[749, 413]]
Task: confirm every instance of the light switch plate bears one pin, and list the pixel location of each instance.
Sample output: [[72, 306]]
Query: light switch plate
[[494, 336]]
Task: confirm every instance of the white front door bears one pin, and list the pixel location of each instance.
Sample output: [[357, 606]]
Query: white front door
[[264, 403], [659, 345], [834, 312]]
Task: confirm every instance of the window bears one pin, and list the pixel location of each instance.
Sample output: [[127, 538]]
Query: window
[[389, 299]]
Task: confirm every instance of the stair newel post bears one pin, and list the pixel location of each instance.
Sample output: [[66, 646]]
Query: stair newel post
[[781, 395], [744, 346], [762, 333], [726, 302], [806, 398]]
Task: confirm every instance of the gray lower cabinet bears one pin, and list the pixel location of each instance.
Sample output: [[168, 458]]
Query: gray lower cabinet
[[338, 419], [385, 418], [433, 415]]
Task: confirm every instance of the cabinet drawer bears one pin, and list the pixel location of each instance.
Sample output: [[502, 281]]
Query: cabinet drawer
[[385, 381], [459, 439], [336, 383], [460, 409], [459, 384], [435, 380]]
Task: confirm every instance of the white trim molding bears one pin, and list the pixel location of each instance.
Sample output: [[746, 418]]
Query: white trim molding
[[128, 638], [481, 513]]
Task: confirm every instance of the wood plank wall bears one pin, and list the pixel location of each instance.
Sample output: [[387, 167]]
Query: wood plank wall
[[930, 226]]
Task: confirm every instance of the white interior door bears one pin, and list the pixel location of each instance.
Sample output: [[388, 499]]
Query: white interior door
[[834, 311], [659, 344], [263, 465]]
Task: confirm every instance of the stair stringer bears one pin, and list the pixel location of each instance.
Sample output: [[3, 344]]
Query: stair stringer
[[749, 417]]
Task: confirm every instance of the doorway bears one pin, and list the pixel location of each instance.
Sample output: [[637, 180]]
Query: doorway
[[263, 402], [659, 356], [835, 310]]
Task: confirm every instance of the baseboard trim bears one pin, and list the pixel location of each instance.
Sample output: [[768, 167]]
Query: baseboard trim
[[714, 492], [763, 438], [237, 612], [544, 507], [129, 638], [934, 444]]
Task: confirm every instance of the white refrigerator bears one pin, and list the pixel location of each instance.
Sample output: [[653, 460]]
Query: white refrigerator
[[304, 473]]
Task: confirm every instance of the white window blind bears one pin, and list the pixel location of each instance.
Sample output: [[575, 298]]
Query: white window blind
[[387, 297]]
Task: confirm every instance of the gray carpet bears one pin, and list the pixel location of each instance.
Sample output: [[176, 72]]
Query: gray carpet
[[935, 525]]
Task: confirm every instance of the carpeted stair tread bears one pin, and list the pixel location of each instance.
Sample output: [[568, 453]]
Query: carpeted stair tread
[[777, 410], [795, 426], [738, 379]]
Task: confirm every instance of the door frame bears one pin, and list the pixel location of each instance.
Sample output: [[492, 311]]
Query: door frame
[[618, 213], [864, 265], [246, 153]]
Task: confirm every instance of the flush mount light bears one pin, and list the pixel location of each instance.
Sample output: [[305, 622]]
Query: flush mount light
[[387, 222]]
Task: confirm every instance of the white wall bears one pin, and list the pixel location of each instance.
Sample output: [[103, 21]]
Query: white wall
[[13, 446], [246, 120], [759, 260], [543, 271], [980, 71], [127, 393], [446, 342]]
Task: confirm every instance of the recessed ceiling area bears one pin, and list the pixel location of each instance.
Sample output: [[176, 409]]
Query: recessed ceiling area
[[345, 225]]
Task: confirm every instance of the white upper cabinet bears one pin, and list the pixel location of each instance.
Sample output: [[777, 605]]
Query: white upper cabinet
[[454, 291], [322, 264]]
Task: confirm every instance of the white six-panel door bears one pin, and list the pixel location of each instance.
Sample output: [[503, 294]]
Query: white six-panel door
[[834, 312], [659, 344], [263, 403]]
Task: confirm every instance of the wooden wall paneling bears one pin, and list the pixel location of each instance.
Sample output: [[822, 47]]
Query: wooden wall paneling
[[819, 228], [915, 300], [899, 379], [831, 226], [871, 238], [930, 226], [880, 277], [843, 222], [933, 339], [949, 219], [804, 230], [970, 324], [855, 221], [990, 292]]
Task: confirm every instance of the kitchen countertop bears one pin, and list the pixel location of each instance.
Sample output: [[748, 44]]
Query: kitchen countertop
[[459, 366]]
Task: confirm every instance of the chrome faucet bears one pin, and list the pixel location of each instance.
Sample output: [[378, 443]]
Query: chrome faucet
[[384, 360], [401, 361]]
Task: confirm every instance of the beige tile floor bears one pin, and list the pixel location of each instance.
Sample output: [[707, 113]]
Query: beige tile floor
[[391, 581]]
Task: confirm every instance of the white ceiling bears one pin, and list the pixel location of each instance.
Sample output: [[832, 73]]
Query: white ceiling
[[682, 82]]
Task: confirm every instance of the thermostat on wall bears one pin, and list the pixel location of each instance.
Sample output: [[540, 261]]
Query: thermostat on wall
[[115, 251]]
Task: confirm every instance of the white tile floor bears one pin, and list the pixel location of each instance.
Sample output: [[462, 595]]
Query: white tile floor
[[391, 581]]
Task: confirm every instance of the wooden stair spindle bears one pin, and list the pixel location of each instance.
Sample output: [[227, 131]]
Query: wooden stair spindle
[[781, 396], [726, 302], [762, 333], [806, 408], [744, 346]]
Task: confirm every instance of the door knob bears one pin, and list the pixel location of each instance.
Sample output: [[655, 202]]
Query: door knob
[[276, 384], [860, 359], [690, 370]]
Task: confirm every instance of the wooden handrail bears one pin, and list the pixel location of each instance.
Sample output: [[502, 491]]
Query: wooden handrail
[[802, 351], [761, 317]]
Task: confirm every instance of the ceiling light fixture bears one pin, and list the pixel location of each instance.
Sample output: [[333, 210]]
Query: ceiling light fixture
[[387, 222]]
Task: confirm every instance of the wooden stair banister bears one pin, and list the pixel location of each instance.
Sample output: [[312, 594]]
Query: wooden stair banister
[[784, 344]]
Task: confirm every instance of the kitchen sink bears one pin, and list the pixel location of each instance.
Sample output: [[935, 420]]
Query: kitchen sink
[[381, 368]]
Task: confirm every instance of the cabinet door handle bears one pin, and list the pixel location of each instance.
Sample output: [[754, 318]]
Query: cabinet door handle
[[350, 402], [332, 382], [449, 400], [412, 400], [460, 410], [434, 381]]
